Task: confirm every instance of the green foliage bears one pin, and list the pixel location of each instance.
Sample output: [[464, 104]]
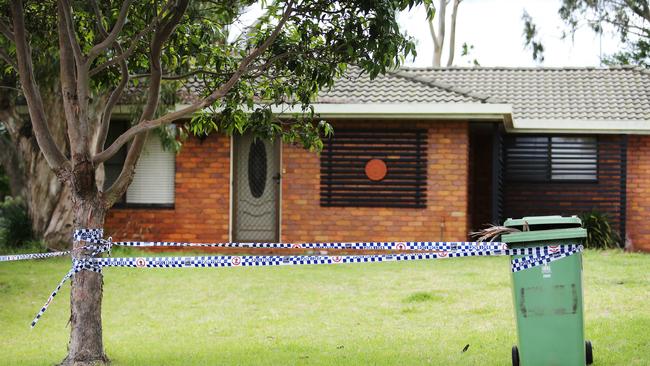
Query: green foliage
[[600, 234], [466, 50], [172, 137], [628, 19], [15, 226], [313, 48], [531, 38]]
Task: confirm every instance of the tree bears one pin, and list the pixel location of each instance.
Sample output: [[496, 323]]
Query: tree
[[532, 37], [292, 51], [47, 200], [628, 18], [439, 13]]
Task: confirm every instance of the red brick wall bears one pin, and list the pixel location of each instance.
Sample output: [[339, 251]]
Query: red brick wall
[[638, 192], [201, 209], [445, 217]]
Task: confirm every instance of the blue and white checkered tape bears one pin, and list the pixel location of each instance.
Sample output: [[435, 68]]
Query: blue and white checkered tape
[[532, 257], [20, 257]]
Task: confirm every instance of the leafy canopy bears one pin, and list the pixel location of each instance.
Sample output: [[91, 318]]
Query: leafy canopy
[[629, 19], [315, 45]]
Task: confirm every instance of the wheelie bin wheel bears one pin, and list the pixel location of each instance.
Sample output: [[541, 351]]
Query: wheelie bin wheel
[[515, 356], [589, 353]]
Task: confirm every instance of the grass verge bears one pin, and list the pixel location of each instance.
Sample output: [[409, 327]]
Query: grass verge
[[381, 313]]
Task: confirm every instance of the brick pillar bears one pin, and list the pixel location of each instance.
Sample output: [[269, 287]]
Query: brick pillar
[[638, 192]]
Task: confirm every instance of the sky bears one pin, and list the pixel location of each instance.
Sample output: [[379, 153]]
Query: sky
[[495, 29]]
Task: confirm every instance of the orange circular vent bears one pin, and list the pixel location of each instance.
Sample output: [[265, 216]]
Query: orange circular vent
[[376, 169]]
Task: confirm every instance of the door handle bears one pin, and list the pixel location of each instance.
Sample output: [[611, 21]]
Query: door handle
[[277, 178]]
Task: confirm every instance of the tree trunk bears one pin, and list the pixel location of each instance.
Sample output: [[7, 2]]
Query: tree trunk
[[48, 201], [13, 167], [440, 44], [452, 35], [86, 346]]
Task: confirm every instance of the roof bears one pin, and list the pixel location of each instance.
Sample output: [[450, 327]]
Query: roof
[[616, 93], [394, 87], [355, 87], [530, 99]]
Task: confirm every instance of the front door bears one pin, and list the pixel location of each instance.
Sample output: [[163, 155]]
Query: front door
[[256, 189]]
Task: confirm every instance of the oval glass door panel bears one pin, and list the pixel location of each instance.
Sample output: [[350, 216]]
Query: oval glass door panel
[[257, 168]]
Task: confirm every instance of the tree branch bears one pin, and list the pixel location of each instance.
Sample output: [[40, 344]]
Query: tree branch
[[69, 72], [183, 76], [112, 36], [76, 104], [442, 14], [146, 125], [640, 31], [8, 59], [161, 36], [55, 158], [64, 7], [432, 30], [134, 43], [452, 33], [642, 12], [116, 93]]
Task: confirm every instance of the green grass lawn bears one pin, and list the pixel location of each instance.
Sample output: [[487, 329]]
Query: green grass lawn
[[380, 314]]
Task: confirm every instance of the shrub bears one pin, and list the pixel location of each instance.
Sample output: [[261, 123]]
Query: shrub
[[15, 226], [600, 234]]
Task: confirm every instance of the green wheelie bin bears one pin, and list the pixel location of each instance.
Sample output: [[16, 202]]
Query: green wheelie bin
[[548, 298]]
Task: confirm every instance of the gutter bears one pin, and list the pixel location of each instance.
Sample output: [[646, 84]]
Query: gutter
[[574, 126], [420, 111], [412, 111]]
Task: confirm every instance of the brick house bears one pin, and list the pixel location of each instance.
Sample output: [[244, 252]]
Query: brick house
[[418, 154]]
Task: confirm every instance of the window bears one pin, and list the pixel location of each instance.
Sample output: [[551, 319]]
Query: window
[[551, 158], [374, 168], [574, 158], [153, 184]]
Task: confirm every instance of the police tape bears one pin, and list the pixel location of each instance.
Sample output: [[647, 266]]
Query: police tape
[[523, 258], [532, 257], [77, 266], [395, 246], [20, 257], [99, 246], [95, 236], [555, 253]]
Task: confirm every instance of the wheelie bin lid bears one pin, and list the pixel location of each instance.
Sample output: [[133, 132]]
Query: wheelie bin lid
[[535, 228]]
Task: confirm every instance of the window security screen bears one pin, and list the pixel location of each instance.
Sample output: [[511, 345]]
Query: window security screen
[[374, 168], [551, 158]]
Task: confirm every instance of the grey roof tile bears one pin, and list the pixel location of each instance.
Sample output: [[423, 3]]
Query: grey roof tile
[[393, 87], [616, 93]]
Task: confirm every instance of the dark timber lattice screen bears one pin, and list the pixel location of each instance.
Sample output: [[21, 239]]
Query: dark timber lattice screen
[[565, 175], [344, 166]]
